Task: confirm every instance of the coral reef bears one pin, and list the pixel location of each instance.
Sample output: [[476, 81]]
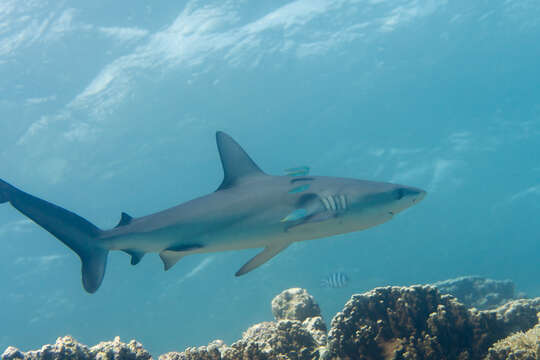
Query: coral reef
[[116, 350], [210, 352], [519, 346], [479, 292], [414, 323], [295, 304], [284, 339], [419, 323], [299, 332], [66, 348]]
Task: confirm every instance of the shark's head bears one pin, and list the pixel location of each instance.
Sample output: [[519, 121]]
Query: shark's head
[[338, 205], [376, 202]]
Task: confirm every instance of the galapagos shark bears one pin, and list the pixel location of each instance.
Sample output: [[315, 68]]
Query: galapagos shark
[[250, 209]]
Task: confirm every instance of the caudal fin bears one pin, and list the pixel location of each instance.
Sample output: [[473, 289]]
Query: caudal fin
[[5, 189], [77, 233], [94, 262]]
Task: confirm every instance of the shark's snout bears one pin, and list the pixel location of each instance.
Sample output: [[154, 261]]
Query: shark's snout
[[417, 194], [405, 197]]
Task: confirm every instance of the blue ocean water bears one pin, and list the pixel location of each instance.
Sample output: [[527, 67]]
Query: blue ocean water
[[110, 107]]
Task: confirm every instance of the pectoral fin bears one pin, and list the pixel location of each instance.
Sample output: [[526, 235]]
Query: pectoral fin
[[312, 208], [262, 257]]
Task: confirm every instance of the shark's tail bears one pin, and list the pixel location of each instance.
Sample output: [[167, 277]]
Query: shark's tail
[[4, 191], [77, 233]]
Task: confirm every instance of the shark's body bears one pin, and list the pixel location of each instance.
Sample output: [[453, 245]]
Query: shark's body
[[249, 210]]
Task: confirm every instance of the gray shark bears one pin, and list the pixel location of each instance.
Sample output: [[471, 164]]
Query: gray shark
[[250, 209]]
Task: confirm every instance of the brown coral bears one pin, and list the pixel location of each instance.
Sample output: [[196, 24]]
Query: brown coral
[[418, 323], [117, 350], [67, 348], [479, 292], [295, 304], [519, 346], [210, 352], [298, 333], [285, 339], [414, 323]]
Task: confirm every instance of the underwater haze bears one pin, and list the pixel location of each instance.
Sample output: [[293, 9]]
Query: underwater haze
[[113, 106]]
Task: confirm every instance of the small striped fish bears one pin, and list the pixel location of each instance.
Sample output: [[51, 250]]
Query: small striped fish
[[335, 280]]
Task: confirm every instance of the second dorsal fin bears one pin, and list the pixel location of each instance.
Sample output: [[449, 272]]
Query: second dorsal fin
[[235, 161], [125, 219]]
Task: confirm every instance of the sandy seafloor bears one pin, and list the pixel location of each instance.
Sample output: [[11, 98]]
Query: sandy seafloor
[[107, 108]]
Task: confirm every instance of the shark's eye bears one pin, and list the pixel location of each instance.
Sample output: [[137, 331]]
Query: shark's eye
[[400, 193]]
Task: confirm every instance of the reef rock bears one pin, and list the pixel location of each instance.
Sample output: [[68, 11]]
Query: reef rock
[[299, 332], [284, 339], [519, 346], [419, 323], [479, 292], [66, 348], [406, 323], [117, 350], [516, 315], [210, 352], [317, 328], [295, 304]]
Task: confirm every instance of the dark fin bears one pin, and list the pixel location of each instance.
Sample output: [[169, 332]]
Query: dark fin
[[125, 219], [235, 161], [170, 258], [94, 262], [136, 255], [262, 257], [75, 232], [5, 191]]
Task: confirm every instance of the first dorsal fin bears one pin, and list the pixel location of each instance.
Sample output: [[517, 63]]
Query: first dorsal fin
[[235, 161], [124, 220]]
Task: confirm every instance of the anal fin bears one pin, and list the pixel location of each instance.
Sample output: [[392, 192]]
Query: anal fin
[[269, 252], [173, 254], [136, 255]]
